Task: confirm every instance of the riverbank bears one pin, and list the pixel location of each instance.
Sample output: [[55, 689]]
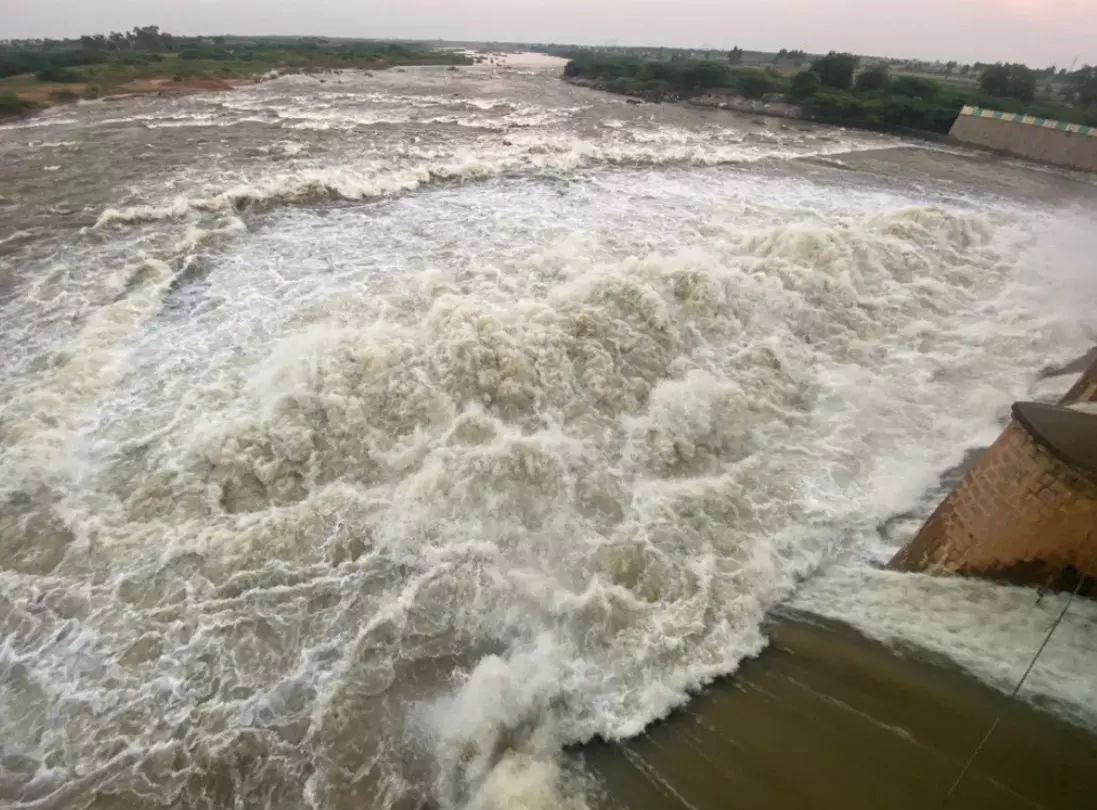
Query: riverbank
[[825, 717], [771, 105], [836, 90], [26, 94], [41, 97]]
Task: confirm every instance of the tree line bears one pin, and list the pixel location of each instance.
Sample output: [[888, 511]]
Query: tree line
[[58, 59], [838, 88]]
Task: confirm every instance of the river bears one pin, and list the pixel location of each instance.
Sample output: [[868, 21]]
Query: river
[[367, 441]]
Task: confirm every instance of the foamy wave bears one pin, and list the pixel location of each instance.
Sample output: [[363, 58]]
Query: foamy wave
[[394, 502], [536, 155], [41, 122], [990, 629], [18, 236], [566, 481]]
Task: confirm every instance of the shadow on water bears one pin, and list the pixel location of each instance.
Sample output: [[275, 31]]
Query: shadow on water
[[826, 718]]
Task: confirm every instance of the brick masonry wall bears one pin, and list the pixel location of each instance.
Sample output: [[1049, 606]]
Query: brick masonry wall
[[1020, 515]]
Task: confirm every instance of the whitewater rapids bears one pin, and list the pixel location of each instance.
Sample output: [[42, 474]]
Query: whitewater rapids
[[366, 442]]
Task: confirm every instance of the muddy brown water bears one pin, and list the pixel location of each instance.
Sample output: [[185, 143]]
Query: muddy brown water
[[384, 441]]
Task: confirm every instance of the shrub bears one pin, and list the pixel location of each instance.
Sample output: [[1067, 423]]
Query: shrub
[[756, 83], [915, 87], [61, 75], [11, 104], [805, 84], [874, 79], [622, 84], [65, 96], [702, 75], [1009, 81], [836, 69], [216, 54]]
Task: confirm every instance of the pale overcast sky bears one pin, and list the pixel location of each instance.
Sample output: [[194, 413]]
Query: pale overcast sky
[[1039, 32]]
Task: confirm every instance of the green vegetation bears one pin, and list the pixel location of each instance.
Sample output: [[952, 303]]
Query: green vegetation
[[150, 46], [11, 104], [1082, 87], [676, 78], [62, 75], [836, 88], [1009, 81], [836, 70], [876, 78], [28, 67]]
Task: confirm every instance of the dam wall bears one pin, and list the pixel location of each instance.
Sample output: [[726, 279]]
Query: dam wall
[[1046, 140], [1026, 512]]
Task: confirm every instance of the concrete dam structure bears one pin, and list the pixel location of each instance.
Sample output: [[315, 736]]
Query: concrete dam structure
[[1027, 511], [1046, 140]]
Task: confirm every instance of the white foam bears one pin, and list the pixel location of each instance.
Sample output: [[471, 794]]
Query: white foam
[[411, 495], [991, 630]]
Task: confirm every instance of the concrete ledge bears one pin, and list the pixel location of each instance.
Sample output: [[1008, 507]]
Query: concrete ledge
[[1051, 145], [1069, 435], [826, 718]]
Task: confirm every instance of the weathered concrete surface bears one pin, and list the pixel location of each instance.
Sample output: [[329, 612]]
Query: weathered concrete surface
[[1074, 150], [1027, 512], [826, 718]]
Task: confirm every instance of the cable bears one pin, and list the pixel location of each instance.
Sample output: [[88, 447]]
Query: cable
[[1082, 577]]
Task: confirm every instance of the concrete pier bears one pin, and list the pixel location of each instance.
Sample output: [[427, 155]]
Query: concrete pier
[[1059, 143], [1026, 512]]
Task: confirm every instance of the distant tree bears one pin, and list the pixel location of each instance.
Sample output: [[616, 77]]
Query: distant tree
[[965, 70], [805, 84], [876, 77], [754, 83], [1083, 84], [915, 87], [1009, 81], [836, 69], [146, 39], [735, 55], [701, 75], [950, 68]]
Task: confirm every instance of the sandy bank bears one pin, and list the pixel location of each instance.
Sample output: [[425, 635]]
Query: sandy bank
[[170, 87]]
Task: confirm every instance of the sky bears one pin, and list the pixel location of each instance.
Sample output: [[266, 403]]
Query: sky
[[1038, 32]]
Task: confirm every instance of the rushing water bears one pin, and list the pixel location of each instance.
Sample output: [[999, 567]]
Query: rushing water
[[366, 441]]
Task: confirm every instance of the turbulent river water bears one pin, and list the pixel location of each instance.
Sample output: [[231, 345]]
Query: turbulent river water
[[368, 440]]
